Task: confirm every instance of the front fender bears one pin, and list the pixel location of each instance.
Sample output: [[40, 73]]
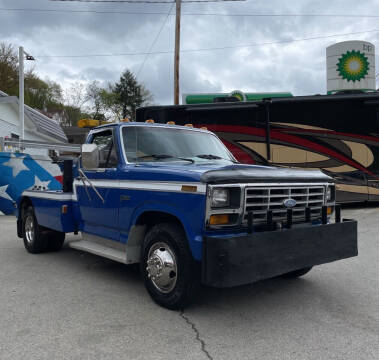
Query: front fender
[[191, 221]]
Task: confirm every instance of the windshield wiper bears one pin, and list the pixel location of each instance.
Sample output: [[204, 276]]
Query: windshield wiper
[[214, 157], [164, 156]]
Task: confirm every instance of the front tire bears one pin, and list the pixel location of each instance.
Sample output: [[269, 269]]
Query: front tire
[[168, 267]]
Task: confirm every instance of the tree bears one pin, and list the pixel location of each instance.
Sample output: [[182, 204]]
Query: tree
[[94, 95], [110, 102], [73, 102], [8, 69], [75, 95], [130, 94], [69, 115], [117, 101], [40, 94]]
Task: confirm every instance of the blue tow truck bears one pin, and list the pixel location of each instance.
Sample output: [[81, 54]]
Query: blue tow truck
[[174, 199]]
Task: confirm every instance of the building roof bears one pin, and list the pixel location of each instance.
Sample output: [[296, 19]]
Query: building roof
[[43, 123]]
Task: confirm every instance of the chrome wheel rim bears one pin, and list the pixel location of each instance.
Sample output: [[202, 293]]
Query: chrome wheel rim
[[162, 267], [29, 229]]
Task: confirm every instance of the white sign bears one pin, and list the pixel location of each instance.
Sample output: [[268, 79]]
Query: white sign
[[350, 66]]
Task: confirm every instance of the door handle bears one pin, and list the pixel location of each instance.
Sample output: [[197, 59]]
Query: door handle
[[124, 197]]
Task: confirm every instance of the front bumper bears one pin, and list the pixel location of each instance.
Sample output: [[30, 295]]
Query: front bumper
[[232, 261]]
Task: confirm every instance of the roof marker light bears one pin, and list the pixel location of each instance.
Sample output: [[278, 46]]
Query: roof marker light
[[204, 128], [188, 125], [170, 122], [149, 121], [125, 120]]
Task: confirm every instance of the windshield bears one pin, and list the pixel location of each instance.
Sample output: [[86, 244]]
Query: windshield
[[142, 143]]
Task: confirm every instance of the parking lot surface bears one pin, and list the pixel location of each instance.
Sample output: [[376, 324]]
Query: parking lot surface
[[73, 305]]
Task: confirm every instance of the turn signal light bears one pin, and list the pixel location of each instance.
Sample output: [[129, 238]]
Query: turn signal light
[[219, 219], [189, 188], [329, 210]]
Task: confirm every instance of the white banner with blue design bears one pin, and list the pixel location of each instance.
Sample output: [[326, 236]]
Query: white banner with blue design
[[19, 172]]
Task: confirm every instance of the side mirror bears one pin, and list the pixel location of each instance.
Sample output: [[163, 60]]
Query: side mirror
[[90, 156]]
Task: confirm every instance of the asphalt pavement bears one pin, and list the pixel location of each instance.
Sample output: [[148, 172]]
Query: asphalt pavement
[[73, 305]]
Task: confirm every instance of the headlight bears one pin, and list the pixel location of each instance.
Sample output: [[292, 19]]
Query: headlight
[[330, 193], [220, 198]]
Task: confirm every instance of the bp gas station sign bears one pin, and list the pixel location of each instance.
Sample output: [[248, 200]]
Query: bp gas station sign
[[239, 95], [206, 98], [351, 66]]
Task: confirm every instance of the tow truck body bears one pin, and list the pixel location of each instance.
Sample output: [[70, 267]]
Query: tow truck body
[[185, 216]]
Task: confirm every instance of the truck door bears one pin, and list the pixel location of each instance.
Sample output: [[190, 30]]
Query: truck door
[[101, 218]]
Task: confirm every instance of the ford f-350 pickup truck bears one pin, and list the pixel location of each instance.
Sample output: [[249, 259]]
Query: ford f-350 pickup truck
[[174, 199]]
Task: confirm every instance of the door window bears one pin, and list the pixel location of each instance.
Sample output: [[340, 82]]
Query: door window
[[107, 149]]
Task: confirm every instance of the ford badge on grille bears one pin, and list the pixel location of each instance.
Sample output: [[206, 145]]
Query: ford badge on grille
[[289, 203]]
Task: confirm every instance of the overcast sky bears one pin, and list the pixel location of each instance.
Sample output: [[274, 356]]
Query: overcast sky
[[298, 67]]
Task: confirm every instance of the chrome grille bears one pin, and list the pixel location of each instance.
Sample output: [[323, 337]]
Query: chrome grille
[[260, 199]]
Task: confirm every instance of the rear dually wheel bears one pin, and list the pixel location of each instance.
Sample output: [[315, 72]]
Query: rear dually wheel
[[38, 239], [34, 240]]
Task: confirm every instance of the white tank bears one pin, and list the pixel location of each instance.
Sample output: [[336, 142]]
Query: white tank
[[350, 65]]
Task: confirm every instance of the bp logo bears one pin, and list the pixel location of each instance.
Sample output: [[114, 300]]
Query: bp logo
[[353, 65], [238, 94]]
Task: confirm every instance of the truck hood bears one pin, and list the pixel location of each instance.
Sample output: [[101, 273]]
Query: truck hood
[[219, 173], [259, 174]]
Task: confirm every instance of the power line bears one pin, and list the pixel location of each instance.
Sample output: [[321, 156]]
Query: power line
[[317, 37], [287, 15], [191, 14], [155, 40], [119, 1], [144, 1], [283, 41]]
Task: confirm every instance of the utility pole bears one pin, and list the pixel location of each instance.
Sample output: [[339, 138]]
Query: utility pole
[[21, 54], [177, 49], [21, 91], [177, 52]]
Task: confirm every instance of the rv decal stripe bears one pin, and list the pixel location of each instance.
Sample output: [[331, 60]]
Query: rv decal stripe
[[277, 135], [357, 189]]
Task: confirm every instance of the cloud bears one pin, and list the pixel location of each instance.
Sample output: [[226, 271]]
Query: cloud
[[298, 67]]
